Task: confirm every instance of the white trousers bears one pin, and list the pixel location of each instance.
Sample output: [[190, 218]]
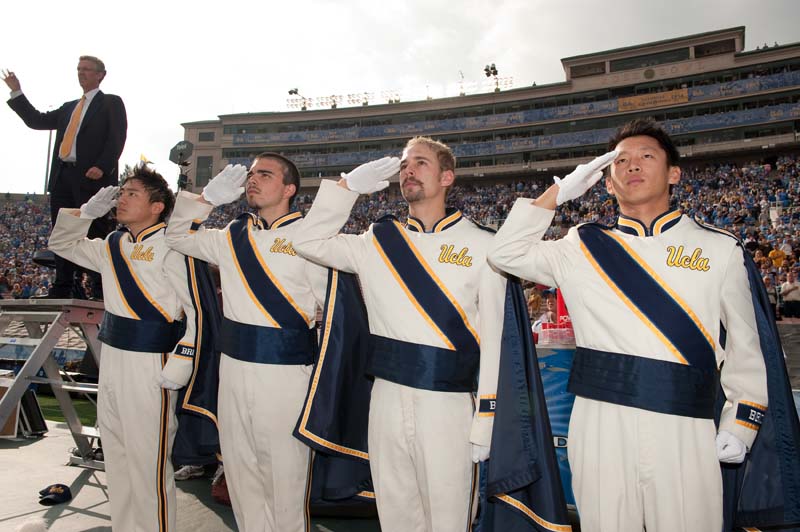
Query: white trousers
[[137, 426], [421, 459], [266, 468], [633, 469]]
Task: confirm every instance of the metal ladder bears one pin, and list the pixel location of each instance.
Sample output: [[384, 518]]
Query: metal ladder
[[46, 320]]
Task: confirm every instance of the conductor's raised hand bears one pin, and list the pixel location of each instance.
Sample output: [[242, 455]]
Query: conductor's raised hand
[[372, 176], [227, 186], [11, 80], [99, 204], [583, 178]]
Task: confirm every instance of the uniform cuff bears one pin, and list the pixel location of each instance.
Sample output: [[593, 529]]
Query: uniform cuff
[[481, 433], [743, 420], [178, 369]]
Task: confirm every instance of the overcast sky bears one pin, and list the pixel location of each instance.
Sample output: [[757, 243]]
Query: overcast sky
[[175, 62]]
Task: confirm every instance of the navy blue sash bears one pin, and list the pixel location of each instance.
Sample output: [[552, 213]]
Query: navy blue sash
[[424, 289], [131, 291], [267, 345], [144, 336], [423, 366], [260, 280], [649, 297], [654, 385]]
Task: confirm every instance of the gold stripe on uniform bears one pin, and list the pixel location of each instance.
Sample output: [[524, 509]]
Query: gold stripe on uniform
[[272, 277], [547, 525], [670, 346], [633, 225], [163, 436], [411, 297], [149, 231], [646, 267], [141, 286], [315, 380], [116, 281], [247, 286], [199, 335], [665, 220]]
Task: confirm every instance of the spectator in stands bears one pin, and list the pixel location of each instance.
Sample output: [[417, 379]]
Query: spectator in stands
[[772, 293], [777, 256], [790, 293]]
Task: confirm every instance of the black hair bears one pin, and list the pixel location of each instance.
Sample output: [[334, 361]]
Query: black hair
[[648, 128], [291, 176], [156, 186]]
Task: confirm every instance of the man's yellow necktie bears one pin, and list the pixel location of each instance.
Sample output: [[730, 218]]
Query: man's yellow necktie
[[72, 130]]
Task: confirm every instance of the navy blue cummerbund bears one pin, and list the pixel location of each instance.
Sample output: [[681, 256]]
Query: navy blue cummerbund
[[424, 366], [146, 336], [267, 345], [655, 385]]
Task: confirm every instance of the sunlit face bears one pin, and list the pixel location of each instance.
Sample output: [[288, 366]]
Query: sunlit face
[[134, 206], [265, 187], [421, 175], [640, 175], [88, 76]]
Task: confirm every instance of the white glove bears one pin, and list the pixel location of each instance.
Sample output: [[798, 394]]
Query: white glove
[[583, 178], [176, 373], [99, 204], [168, 384], [372, 176], [730, 449], [480, 453], [226, 186]]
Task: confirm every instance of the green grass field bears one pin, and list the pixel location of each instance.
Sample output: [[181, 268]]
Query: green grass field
[[52, 411]]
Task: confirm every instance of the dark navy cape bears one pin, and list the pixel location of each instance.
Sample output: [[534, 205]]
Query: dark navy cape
[[197, 439], [334, 418], [764, 491], [523, 485]]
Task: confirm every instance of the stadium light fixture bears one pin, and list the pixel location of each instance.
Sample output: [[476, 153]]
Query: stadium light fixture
[[491, 72], [301, 101]]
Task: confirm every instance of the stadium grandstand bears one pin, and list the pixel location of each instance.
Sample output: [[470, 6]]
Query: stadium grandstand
[[716, 99]]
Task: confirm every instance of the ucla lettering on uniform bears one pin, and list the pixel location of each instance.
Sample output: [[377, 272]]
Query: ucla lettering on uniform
[[139, 253], [449, 256], [695, 261], [281, 246]]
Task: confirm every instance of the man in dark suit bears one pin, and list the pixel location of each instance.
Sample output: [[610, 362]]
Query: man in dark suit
[[90, 135]]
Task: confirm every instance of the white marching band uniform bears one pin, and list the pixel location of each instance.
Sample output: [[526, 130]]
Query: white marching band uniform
[[268, 471], [419, 437], [631, 465], [136, 416]]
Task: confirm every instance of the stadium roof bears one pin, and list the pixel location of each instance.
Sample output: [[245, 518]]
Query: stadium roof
[[657, 43]]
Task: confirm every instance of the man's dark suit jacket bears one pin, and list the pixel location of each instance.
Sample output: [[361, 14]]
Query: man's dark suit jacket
[[100, 139]]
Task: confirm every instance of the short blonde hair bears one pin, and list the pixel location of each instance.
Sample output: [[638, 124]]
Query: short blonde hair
[[447, 161]]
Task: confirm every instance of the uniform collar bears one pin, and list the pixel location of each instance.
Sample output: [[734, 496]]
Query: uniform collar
[[282, 221], [660, 224], [145, 233], [452, 217]]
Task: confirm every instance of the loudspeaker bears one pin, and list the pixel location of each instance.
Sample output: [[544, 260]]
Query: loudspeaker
[[31, 420]]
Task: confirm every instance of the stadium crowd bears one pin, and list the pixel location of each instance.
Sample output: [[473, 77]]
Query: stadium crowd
[[733, 197]]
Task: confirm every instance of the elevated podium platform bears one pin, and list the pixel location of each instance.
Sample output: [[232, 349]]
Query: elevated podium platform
[[45, 320]]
